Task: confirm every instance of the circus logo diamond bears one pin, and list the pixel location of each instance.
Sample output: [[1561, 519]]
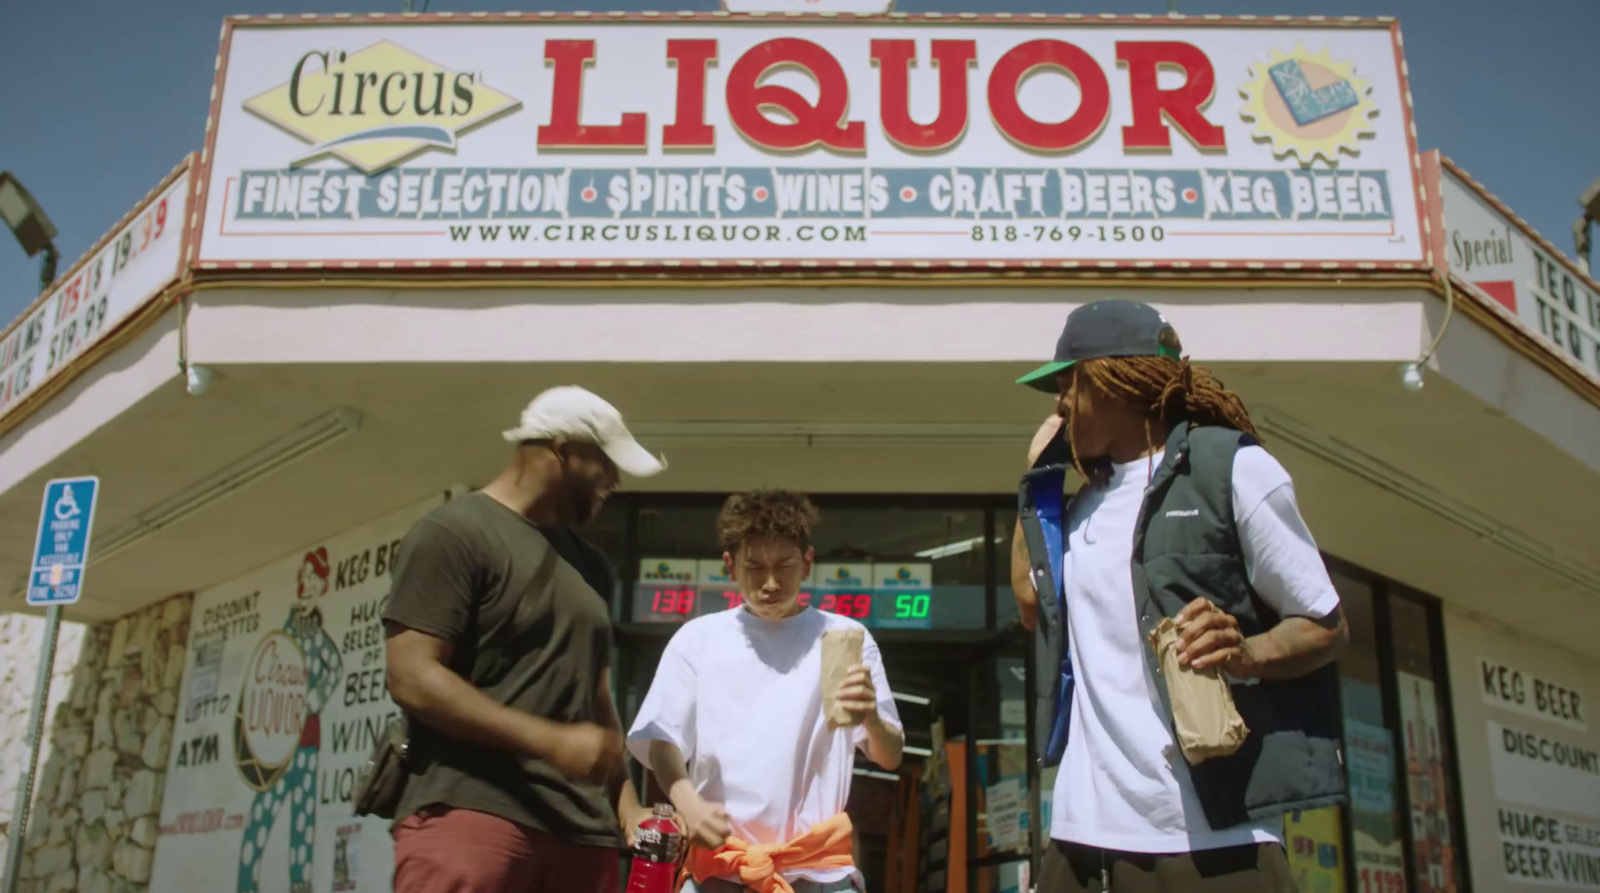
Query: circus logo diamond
[[1309, 106], [377, 106]]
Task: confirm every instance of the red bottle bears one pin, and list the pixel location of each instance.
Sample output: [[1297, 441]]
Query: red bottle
[[655, 853]]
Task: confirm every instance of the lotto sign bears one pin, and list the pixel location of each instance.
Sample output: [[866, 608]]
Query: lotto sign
[[61, 550], [579, 142]]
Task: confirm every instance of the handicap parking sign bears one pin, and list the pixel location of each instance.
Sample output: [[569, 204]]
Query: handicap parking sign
[[62, 547]]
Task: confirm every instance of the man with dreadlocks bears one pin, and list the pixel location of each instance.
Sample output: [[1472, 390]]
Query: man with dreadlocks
[[1182, 515]]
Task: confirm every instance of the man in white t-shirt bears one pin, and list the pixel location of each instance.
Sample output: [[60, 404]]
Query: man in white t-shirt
[[1185, 516], [734, 728]]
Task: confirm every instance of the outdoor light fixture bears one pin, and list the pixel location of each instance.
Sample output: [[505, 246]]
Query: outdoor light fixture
[[1411, 374], [28, 222], [197, 380], [290, 448], [956, 548]]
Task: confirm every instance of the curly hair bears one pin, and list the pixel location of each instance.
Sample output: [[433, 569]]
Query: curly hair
[[1168, 390], [766, 515]]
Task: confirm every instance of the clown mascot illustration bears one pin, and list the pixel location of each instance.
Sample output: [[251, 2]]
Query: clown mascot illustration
[[277, 731]]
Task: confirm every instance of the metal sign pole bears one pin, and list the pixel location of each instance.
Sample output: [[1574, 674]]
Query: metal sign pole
[[16, 838], [60, 555]]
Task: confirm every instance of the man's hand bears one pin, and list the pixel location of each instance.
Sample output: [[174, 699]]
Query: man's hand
[[1048, 431], [584, 752], [629, 816], [856, 695], [706, 823], [1209, 637]]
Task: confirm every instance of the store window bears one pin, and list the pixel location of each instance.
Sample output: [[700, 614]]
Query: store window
[[892, 567], [1377, 858], [1429, 773], [1005, 601]]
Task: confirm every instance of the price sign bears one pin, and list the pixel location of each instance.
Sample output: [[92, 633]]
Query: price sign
[[1381, 880], [844, 589], [667, 590], [905, 595], [718, 592]]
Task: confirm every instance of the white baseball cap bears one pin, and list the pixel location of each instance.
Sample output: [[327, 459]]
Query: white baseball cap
[[573, 413]]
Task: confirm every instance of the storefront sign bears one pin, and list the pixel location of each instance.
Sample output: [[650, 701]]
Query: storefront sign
[[1545, 850], [120, 276], [1502, 260], [850, 6], [1531, 777], [284, 698], [1520, 692], [575, 141], [1540, 769]]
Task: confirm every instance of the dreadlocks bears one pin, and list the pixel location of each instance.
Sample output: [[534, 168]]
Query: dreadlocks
[[1169, 390]]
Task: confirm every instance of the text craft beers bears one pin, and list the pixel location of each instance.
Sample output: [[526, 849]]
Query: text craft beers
[[338, 89]]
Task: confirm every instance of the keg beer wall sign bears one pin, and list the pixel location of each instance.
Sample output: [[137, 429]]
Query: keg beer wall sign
[[284, 695]]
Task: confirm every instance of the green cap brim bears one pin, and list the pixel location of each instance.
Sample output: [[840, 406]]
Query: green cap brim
[[1044, 377]]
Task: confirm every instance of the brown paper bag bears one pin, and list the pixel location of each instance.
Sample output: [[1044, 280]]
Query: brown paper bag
[[1206, 720], [841, 650]]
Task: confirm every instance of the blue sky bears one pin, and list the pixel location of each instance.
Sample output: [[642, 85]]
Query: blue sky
[[103, 97]]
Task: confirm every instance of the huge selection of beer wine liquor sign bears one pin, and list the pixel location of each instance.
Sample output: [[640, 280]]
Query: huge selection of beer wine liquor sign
[[284, 695], [579, 141]]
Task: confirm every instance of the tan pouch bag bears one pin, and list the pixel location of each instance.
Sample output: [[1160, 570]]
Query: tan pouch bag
[[841, 650], [1206, 720]]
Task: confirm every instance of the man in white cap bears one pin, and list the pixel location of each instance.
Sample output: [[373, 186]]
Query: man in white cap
[[498, 648]]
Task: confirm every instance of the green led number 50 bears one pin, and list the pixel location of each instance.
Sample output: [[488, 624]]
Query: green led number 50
[[911, 607]]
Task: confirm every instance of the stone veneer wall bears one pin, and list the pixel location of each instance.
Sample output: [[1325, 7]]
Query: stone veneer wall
[[98, 797], [21, 640]]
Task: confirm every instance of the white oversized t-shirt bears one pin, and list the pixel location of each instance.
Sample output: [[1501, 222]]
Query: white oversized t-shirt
[[741, 697], [1123, 783]]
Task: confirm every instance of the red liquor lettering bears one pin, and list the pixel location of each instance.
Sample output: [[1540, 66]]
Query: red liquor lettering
[[820, 124], [778, 118], [894, 59]]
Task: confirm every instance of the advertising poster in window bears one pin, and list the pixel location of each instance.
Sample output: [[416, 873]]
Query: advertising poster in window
[[1313, 839], [1427, 786], [1377, 858], [283, 699]]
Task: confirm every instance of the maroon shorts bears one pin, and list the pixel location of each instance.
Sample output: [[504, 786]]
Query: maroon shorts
[[443, 850]]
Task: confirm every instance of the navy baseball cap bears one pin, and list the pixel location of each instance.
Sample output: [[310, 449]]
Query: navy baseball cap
[[1107, 329]]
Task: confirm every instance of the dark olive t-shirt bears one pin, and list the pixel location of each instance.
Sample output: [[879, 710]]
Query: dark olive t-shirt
[[526, 610]]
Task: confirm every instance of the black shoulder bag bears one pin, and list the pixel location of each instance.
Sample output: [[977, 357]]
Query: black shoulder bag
[[382, 778]]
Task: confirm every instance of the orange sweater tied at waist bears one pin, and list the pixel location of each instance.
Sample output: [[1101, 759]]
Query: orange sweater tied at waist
[[760, 866]]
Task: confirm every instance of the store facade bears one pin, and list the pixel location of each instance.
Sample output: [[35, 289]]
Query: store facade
[[809, 252]]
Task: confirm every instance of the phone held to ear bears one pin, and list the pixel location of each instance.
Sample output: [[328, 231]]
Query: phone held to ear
[[1056, 452]]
